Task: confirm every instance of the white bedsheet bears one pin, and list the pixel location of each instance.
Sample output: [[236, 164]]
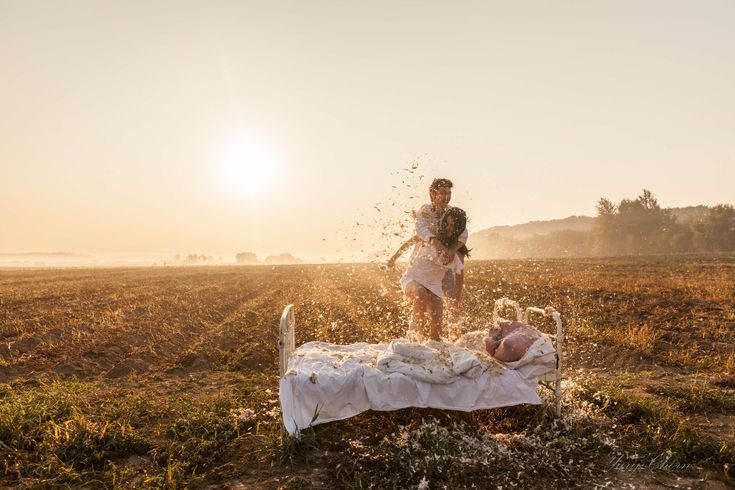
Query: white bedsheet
[[326, 382]]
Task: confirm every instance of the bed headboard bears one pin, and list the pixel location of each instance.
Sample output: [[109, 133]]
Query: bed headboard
[[522, 316], [286, 338]]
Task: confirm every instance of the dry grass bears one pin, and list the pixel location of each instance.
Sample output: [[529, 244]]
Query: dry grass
[[168, 377], [643, 338]]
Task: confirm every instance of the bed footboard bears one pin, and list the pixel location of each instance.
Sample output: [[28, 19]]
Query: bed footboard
[[286, 339]]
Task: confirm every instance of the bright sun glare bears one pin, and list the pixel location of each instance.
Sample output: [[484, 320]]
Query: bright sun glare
[[248, 166]]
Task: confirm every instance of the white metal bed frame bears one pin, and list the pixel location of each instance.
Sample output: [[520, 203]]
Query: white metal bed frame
[[549, 312], [287, 341]]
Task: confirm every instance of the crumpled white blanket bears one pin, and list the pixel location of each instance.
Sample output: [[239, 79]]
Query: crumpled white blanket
[[467, 363], [474, 340], [434, 362], [414, 350]]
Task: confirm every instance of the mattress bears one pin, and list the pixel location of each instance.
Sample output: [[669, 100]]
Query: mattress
[[326, 382]]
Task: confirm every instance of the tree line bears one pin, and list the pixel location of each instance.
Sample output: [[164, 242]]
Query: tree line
[[641, 226], [631, 227]]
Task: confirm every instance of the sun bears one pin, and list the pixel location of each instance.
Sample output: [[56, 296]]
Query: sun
[[248, 165]]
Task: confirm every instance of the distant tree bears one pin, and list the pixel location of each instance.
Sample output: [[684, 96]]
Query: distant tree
[[643, 224], [716, 232], [284, 258], [195, 259], [721, 221], [634, 226], [605, 235], [647, 201], [681, 238], [246, 258], [605, 207]]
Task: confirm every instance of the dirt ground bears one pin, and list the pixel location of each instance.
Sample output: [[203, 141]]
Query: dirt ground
[[660, 330]]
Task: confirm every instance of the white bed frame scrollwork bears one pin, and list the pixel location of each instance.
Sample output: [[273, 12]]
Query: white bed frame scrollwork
[[523, 316]]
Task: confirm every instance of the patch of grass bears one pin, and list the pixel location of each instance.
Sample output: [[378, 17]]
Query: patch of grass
[[49, 440], [693, 358], [83, 443], [653, 428], [64, 433], [201, 437], [642, 338], [628, 379], [696, 397], [728, 363], [215, 436], [25, 414]]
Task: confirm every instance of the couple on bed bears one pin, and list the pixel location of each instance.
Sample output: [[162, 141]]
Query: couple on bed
[[436, 266]]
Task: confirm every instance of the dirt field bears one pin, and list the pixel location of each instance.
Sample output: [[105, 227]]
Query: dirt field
[[168, 377]]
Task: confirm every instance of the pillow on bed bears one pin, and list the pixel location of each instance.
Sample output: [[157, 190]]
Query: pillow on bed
[[523, 343]]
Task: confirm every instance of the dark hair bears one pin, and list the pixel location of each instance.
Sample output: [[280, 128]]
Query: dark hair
[[436, 184], [460, 223]]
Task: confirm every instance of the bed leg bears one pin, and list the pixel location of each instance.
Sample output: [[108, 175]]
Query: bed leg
[[559, 349], [548, 312], [286, 338], [286, 345]]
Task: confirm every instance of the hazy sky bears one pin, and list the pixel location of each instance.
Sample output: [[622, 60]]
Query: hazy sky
[[127, 127]]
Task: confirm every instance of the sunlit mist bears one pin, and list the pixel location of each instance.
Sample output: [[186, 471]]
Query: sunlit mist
[[247, 165]]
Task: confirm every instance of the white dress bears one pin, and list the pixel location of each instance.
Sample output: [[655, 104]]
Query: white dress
[[426, 270], [424, 266]]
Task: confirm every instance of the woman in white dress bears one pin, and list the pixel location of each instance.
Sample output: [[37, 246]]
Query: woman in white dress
[[422, 281]]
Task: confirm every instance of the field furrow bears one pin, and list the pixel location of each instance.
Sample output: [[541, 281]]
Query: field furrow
[[169, 377]]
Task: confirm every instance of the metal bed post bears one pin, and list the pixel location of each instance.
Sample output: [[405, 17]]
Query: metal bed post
[[551, 312], [286, 339], [499, 303], [286, 345], [523, 317]]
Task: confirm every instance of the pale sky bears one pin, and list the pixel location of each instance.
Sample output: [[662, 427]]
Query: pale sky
[[126, 126]]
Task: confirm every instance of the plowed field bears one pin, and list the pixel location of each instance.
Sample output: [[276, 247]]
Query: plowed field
[[168, 377]]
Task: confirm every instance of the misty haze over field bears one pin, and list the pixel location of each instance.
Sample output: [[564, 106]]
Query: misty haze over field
[[643, 227]]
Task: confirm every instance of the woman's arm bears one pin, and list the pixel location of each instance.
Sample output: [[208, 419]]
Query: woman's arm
[[401, 249]]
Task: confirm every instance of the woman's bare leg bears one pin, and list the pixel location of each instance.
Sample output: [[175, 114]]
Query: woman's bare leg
[[418, 316], [419, 296], [436, 306]]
